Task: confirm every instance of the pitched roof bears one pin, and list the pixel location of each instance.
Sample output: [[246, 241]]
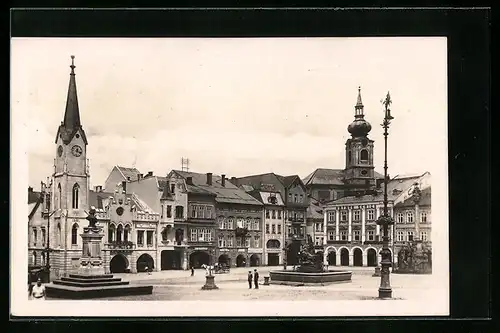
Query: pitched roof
[[128, 172], [96, 199], [33, 196], [322, 176], [229, 193], [315, 210], [359, 199], [268, 181], [425, 199]]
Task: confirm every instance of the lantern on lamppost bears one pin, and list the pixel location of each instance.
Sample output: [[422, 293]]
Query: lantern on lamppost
[[385, 220]]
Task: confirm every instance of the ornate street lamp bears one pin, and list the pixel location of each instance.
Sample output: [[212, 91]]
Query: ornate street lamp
[[385, 220]]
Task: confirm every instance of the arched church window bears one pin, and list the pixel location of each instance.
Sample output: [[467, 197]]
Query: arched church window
[[58, 235], [111, 233], [126, 232], [76, 188], [59, 198], [119, 233], [74, 234], [364, 155]]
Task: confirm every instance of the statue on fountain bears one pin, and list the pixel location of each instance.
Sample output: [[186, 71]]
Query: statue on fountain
[[93, 224], [309, 260]]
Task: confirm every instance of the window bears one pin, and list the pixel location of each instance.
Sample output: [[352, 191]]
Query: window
[[318, 227], [364, 155], [240, 223], [273, 228], [279, 229], [331, 216], [357, 215], [74, 234], [295, 198], [193, 211], [273, 214], [289, 230], [238, 242], [140, 237], [179, 212], [409, 217], [172, 188], [423, 217], [273, 244], [256, 241], [318, 241], [34, 236], [279, 214], [161, 215], [410, 236], [164, 234], [343, 235], [400, 236], [371, 214], [357, 235], [301, 198], [371, 235], [126, 232], [200, 212], [169, 211], [247, 241], [267, 213], [230, 241], [248, 224], [230, 223], [208, 212], [43, 236], [331, 235], [343, 215], [221, 241], [401, 218], [256, 224], [423, 235], [267, 228], [75, 196]]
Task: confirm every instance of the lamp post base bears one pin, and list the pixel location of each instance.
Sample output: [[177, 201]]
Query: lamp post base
[[384, 292]]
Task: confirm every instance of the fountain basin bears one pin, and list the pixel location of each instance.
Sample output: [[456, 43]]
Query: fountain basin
[[304, 279]]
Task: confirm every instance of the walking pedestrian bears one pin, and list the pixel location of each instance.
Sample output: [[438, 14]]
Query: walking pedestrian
[[38, 291], [192, 271], [249, 279], [256, 278]]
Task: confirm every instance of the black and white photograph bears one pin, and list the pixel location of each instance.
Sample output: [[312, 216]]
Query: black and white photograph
[[229, 176]]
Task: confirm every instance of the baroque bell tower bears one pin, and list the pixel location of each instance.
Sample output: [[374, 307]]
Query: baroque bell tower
[[359, 173], [70, 182]]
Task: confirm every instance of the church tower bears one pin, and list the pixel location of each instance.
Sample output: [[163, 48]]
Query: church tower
[[70, 184], [359, 173]]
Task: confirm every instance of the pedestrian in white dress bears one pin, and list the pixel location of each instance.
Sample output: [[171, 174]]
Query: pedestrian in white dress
[[38, 291]]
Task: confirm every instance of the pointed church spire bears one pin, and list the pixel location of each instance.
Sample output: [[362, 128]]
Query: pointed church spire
[[359, 103], [71, 122], [72, 114]]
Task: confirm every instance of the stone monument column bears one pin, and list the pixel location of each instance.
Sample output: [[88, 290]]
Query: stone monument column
[[91, 262]]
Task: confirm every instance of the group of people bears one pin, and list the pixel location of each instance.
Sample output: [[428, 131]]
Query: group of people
[[253, 277]]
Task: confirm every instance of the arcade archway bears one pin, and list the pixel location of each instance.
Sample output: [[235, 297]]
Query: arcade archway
[[344, 257], [332, 258], [224, 260], [254, 260], [357, 257], [145, 261], [240, 261], [170, 260], [199, 258], [371, 255], [118, 264]]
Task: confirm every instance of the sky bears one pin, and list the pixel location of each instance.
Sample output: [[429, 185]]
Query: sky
[[232, 106]]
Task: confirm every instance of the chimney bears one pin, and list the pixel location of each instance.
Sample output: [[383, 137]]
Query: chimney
[[30, 189], [223, 180], [128, 178], [124, 186], [139, 176], [189, 180], [209, 178], [150, 174], [234, 181], [98, 188]]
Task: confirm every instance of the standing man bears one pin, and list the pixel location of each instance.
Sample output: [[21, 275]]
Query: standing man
[[249, 279], [256, 278], [192, 271], [38, 291]]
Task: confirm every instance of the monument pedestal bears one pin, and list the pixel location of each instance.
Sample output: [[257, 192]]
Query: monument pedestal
[[209, 283], [91, 262]]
